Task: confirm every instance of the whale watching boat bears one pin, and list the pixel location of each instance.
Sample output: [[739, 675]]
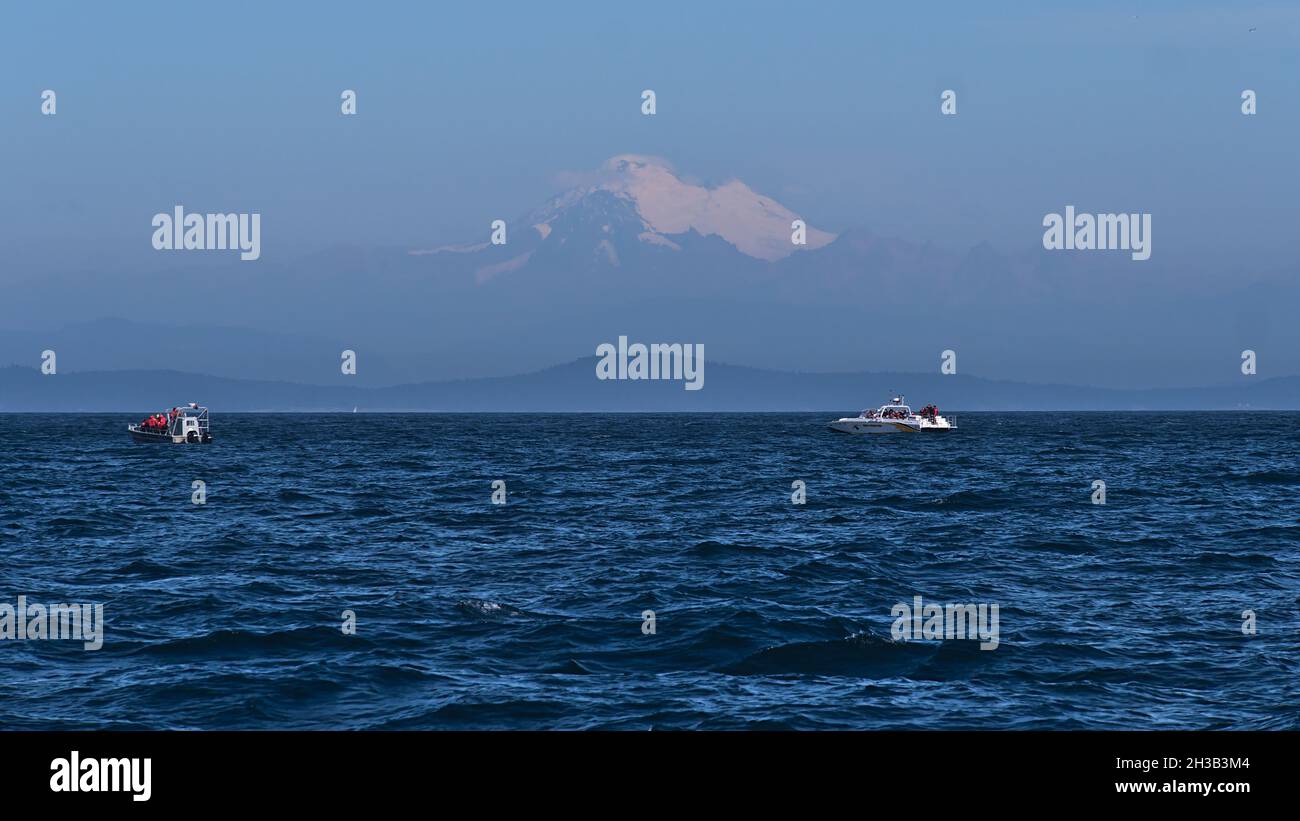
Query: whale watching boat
[[179, 426], [895, 417]]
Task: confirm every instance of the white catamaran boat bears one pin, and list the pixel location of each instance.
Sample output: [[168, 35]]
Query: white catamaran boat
[[180, 426], [895, 417]]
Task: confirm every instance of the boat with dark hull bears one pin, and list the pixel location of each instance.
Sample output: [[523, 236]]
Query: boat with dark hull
[[187, 425]]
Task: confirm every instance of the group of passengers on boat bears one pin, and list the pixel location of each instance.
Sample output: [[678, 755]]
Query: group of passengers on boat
[[928, 412], [159, 422]]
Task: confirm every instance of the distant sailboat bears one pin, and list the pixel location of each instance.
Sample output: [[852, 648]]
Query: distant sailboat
[[354, 408]]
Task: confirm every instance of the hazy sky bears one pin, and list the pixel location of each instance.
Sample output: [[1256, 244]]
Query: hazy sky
[[469, 112]]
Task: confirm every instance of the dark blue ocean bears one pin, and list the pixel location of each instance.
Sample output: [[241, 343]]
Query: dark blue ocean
[[768, 614]]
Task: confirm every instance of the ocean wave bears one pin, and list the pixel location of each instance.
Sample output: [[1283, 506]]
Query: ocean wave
[[484, 610], [227, 643], [1267, 477], [861, 655]]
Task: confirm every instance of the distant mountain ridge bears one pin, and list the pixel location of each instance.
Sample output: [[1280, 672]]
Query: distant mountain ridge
[[573, 387]]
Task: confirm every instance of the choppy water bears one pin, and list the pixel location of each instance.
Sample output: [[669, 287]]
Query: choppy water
[[768, 614]]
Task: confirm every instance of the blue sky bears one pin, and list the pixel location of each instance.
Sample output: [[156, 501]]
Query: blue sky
[[469, 112]]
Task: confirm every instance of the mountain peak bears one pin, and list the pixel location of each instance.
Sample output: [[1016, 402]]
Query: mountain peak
[[633, 201], [757, 225]]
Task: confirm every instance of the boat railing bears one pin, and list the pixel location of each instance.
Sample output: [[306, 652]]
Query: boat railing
[[177, 427]]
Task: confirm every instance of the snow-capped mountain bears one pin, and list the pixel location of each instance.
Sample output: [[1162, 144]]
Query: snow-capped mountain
[[635, 200], [635, 230], [667, 206]]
